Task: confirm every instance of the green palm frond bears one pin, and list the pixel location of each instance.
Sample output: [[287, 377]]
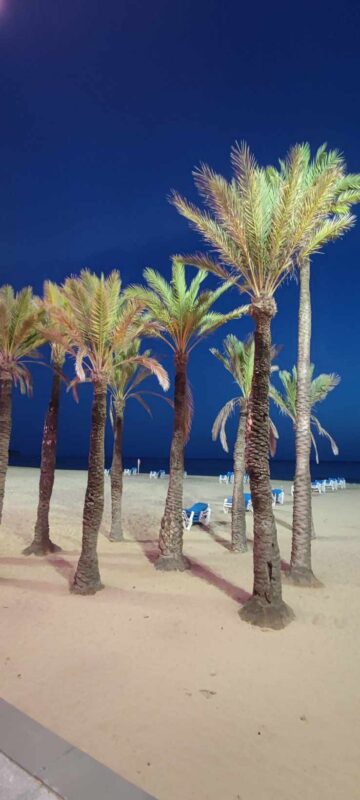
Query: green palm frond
[[321, 386]]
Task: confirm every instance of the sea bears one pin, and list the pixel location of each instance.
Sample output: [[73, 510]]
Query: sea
[[279, 470]]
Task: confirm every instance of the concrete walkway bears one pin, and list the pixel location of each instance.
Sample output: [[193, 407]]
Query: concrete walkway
[[38, 765], [16, 784]]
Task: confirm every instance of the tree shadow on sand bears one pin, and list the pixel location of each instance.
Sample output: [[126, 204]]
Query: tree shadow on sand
[[199, 570], [60, 564]]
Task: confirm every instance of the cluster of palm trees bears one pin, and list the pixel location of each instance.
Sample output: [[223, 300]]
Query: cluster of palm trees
[[261, 226]]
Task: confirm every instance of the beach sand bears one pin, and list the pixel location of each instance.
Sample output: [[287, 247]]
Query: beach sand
[[157, 676]]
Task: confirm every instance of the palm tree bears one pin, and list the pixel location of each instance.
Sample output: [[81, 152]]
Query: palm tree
[[20, 314], [286, 402], [184, 316], [125, 386], [42, 544], [100, 324], [261, 224], [324, 176], [238, 359]]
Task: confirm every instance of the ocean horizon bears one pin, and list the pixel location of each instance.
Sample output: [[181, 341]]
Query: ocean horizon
[[279, 470]]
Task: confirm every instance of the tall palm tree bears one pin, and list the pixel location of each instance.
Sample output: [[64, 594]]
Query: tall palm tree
[[126, 380], [100, 324], [20, 314], [319, 390], [238, 359], [261, 224], [42, 544], [185, 317], [325, 176]]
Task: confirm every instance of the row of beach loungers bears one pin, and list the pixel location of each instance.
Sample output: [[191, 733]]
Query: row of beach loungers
[[326, 485], [200, 513]]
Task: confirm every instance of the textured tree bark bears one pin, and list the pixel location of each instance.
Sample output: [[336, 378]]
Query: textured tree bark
[[5, 431], [300, 562], [116, 533], [87, 576], [42, 543], [171, 529], [266, 608], [238, 521]]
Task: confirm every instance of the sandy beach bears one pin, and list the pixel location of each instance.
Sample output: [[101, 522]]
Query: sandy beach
[[157, 677]]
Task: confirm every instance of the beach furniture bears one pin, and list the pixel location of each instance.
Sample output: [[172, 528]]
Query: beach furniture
[[197, 514], [127, 471], [153, 473], [133, 471], [161, 473], [223, 479], [228, 503], [329, 485], [341, 483], [316, 487], [107, 472], [279, 496], [230, 476]]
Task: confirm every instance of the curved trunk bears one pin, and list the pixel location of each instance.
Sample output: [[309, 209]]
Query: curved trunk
[[41, 543], [300, 562], [238, 521], [5, 432], [171, 530], [116, 533], [266, 608], [87, 576]]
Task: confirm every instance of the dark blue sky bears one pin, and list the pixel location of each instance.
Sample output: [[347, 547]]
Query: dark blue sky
[[106, 105]]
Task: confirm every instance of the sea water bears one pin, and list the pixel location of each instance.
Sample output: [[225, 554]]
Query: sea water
[[279, 470]]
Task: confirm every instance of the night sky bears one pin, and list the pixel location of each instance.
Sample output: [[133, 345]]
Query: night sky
[[107, 105]]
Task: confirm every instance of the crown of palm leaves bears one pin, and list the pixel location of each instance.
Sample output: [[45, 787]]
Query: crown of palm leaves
[[182, 311], [20, 321], [97, 323], [265, 221], [319, 390], [131, 371], [238, 359]]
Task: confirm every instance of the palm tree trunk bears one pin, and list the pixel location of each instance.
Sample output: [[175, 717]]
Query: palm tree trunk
[[300, 562], [266, 608], [5, 431], [116, 533], [238, 521], [87, 576], [171, 530], [42, 543]]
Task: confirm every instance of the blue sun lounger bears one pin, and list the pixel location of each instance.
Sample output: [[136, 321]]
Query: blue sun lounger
[[228, 503], [279, 496], [247, 500], [197, 514]]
